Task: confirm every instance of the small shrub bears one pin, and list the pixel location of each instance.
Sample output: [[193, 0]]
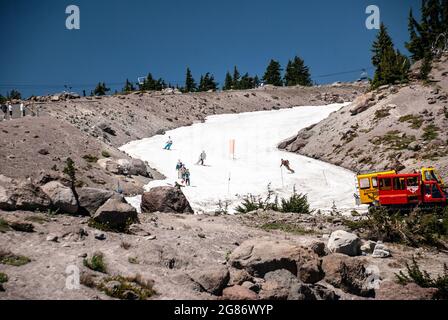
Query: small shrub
[[4, 225], [22, 227], [297, 203], [414, 121], [108, 228], [87, 279], [105, 154], [381, 113], [90, 158], [133, 260], [424, 280], [430, 132], [223, 207], [286, 227], [3, 277], [96, 262], [11, 259], [129, 288]]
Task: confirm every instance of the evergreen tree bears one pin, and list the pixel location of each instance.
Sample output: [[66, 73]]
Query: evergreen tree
[[273, 74], [101, 89], [236, 79], [415, 45], [228, 82], [297, 73], [246, 82], [426, 67], [190, 84], [14, 95], [391, 66], [128, 87], [207, 83], [2, 99], [256, 81]]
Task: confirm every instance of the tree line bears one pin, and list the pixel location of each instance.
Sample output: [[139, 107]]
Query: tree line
[[425, 36]]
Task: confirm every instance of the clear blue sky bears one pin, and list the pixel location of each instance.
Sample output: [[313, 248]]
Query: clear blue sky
[[122, 39]]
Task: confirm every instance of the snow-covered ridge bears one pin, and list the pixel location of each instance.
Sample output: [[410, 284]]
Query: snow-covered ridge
[[256, 162]]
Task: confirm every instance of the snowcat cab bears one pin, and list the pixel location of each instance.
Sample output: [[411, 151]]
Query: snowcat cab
[[368, 186], [430, 174]]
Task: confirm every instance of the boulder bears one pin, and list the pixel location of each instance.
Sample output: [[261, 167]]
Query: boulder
[[212, 279], [105, 127], [349, 274], [381, 251], [238, 293], [61, 197], [21, 195], [90, 199], [110, 166], [318, 248], [116, 214], [260, 256], [344, 242], [391, 290], [367, 247], [165, 199], [138, 167]]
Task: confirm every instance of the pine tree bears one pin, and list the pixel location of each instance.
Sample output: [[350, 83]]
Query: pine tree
[[207, 83], [101, 89], [228, 82], [236, 79], [246, 82], [128, 87], [256, 81], [426, 67], [2, 99], [391, 66], [273, 74], [415, 45], [14, 95], [190, 84], [297, 73]]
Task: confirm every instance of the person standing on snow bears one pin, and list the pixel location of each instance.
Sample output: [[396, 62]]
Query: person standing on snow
[[178, 167], [182, 173], [202, 158], [286, 164], [187, 177], [169, 143]]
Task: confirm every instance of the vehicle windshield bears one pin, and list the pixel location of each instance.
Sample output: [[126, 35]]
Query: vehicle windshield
[[431, 175]]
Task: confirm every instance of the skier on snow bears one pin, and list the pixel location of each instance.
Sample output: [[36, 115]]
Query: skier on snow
[[202, 158], [169, 143], [286, 164]]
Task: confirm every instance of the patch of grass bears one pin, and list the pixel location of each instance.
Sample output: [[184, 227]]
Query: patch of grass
[[105, 154], [129, 288], [4, 225], [12, 259], [90, 158], [394, 140], [424, 280], [108, 228], [3, 277], [96, 262], [286, 227], [430, 132], [381, 113], [37, 219], [415, 121]]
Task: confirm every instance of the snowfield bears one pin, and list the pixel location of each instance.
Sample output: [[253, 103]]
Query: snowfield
[[255, 164]]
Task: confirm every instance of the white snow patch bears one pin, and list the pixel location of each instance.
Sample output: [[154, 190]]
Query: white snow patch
[[256, 163]]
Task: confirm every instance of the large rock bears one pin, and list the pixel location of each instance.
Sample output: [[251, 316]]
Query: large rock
[[283, 285], [106, 127], [213, 280], [344, 242], [381, 251], [349, 274], [116, 215], [135, 167], [238, 293], [260, 256], [90, 199], [61, 197], [165, 199], [21, 195]]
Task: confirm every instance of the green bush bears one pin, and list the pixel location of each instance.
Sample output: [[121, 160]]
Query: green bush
[[3, 277], [12, 259], [424, 280], [4, 225], [105, 154], [96, 262], [296, 203], [135, 288], [90, 158], [430, 132]]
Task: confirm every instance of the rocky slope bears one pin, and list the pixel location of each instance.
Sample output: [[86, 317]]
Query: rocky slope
[[402, 127]]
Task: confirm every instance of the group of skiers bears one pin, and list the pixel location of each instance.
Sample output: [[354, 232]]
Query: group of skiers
[[183, 173], [7, 109]]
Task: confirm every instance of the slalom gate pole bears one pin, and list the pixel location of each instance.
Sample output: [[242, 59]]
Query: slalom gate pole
[[281, 172]]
